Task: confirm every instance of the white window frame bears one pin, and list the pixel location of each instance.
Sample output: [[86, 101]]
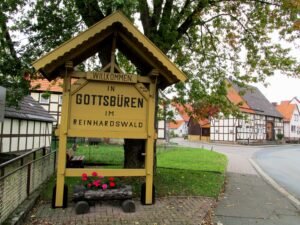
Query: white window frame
[[44, 100]]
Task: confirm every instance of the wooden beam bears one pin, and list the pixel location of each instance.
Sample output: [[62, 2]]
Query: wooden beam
[[106, 172]]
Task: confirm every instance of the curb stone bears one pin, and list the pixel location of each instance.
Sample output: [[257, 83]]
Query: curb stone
[[275, 185]]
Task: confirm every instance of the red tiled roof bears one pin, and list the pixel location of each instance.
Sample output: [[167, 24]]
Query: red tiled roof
[[176, 124], [182, 111], [286, 109], [45, 85], [234, 97]]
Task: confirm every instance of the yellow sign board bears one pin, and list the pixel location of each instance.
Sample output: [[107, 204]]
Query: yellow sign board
[[109, 106], [113, 77]]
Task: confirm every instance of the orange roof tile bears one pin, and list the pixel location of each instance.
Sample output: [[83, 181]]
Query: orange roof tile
[[286, 109], [45, 85], [234, 97], [182, 111], [176, 124]]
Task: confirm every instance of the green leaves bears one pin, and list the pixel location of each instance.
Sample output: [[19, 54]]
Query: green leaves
[[208, 40]]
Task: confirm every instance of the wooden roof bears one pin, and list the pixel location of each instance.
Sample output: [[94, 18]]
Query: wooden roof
[[130, 41]]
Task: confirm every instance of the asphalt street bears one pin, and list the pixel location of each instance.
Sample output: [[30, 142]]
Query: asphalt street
[[283, 165]]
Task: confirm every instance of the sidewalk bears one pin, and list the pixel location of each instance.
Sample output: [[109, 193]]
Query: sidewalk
[[248, 199], [166, 211]]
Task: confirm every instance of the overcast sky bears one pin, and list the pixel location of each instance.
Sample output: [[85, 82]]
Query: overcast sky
[[281, 88]]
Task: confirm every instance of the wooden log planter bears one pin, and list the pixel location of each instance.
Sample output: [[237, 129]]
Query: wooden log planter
[[85, 198]]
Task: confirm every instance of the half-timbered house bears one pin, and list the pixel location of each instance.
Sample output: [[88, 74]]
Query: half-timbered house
[[49, 96], [261, 121], [24, 128], [198, 129], [291, 120]]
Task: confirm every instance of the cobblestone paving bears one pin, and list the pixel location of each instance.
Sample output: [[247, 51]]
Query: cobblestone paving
[[166, 211]]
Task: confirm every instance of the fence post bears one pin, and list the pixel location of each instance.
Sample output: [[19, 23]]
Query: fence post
[[28, 179]]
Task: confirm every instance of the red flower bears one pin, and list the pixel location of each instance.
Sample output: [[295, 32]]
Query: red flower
[[84, 178], [94, 174], [112, 184], [89, 185], [84, 175], [111, 179], [96, 183]]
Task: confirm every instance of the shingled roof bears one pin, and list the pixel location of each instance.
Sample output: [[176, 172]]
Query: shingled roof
[[129, 40], [28, 109], [286, 109], [256, 101]]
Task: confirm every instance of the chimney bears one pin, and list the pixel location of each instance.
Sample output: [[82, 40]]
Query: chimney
[[274, 104]]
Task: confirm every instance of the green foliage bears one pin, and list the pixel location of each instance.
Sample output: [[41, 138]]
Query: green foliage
[[198, 159], [208, 40], [180, 171], [279, 136]]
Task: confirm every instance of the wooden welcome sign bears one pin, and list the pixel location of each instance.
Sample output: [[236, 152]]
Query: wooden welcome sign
[[108, 103]]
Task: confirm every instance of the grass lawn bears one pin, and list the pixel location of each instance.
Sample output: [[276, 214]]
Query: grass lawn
[[180, 171]]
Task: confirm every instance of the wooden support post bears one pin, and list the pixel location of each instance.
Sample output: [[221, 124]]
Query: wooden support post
[[150, 142], [62, 151]]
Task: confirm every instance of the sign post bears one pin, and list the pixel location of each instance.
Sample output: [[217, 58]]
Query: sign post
[[109, 103]]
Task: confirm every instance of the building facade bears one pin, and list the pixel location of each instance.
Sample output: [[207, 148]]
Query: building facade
[[291, 120], [25, 128], [260, 121]]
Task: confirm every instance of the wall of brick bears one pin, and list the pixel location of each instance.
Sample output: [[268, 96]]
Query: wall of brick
[[14, 187]]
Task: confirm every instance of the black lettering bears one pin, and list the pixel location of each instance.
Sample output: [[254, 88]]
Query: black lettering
[[133, 103], [117, 123], [140, 124], [79, 99], [86, 100], [111, 123], [140, 103], [80, 122], [112, 101], [100, 99], [89, 122], [95, 123], [126, 101], [105, 100], [74, 121], [94, 98], [106, 123], [124, 123], [120, 100]]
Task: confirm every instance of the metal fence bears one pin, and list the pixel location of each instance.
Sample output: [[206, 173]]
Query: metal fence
[[21, 176]]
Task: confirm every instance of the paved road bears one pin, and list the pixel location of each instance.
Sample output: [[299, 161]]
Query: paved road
[[248, 199], [283, 165]]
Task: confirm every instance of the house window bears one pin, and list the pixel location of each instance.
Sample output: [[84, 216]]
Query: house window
[[60, 99], [296, 117], [293, 128], [44, 100]]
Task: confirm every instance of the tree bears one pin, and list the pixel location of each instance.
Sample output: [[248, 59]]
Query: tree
[[209, 40]]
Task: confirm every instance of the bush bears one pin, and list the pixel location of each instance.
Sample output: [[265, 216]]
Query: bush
[[279, 136]]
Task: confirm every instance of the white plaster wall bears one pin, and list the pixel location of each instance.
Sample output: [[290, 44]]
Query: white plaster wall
[[5, 144], [6, 126], [35, 96], [295, 121], [286, 129]]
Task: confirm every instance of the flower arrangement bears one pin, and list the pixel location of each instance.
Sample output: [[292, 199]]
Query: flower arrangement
[[98, 182]]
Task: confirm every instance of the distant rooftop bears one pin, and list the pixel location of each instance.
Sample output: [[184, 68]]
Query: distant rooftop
[[28, 109]]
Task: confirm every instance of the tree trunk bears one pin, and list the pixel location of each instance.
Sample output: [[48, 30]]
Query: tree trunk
[[134, 150]]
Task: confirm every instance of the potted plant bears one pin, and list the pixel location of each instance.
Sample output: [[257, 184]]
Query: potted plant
[[280, 138], [98, 188]]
